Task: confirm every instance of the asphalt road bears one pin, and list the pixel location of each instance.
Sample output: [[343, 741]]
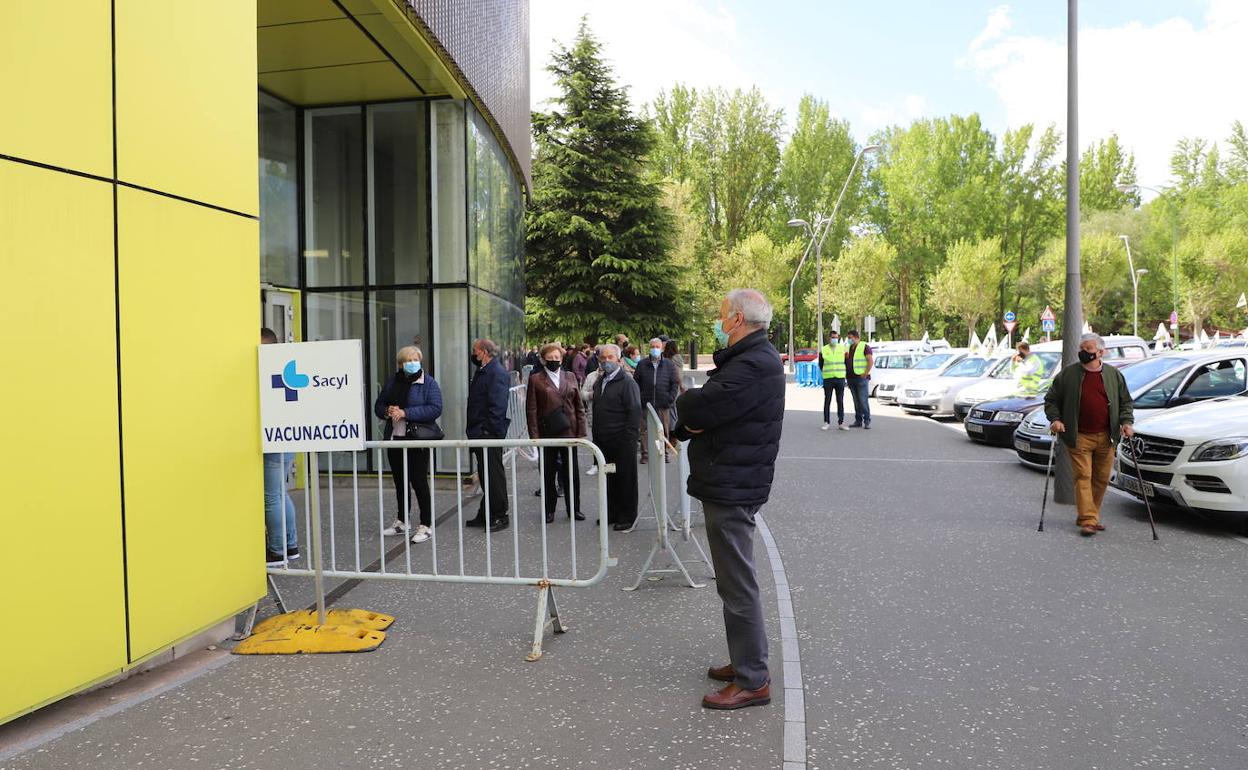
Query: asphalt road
[[936, 629]]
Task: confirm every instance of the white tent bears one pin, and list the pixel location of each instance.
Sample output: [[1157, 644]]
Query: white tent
[[990, 339], [973, 346]]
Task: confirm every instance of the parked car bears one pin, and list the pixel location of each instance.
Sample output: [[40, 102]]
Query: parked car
[[1120, 350], [802, 354], [1195, 457], [893, 367], [934, 396], [1156, 384], [889, 388], [994, 422]]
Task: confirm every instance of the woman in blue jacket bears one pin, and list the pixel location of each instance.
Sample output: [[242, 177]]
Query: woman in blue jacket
[[410, 396]]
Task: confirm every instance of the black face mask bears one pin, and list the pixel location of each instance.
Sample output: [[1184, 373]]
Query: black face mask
[[472, 359], [552, 366], [1086, 357]]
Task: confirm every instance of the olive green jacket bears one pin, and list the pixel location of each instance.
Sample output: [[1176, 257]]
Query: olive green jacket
[[1062, 401]]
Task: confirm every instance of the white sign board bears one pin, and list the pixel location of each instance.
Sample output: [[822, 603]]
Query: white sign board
[[312, 396]]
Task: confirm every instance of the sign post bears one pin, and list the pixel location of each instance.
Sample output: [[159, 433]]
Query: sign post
[[1048, 322], [312, 400], [1011, 321]]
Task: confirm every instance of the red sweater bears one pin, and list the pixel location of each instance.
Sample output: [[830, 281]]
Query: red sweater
[[1093, 404]]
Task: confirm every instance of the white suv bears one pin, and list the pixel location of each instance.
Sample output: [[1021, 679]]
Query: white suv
[[1193, 456]]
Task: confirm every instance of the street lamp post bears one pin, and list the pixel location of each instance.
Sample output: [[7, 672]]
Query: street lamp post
[[817, 234], [1135, 287], [1072, 312], [1174, 241]]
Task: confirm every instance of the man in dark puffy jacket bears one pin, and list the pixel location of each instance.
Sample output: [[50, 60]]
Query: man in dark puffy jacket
[[487, 418], [658, 378], [734, 424]]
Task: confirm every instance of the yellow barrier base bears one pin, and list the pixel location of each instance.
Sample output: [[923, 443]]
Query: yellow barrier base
[[374, 621], [296, 632]]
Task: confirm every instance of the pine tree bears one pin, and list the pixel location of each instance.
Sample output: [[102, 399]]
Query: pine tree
[[598, 235]]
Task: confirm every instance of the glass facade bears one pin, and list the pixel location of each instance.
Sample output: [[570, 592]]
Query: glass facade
[[409, 220]]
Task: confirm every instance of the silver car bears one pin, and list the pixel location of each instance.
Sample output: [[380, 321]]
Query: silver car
[[934, 396]]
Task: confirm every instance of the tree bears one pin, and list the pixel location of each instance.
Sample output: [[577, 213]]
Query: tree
[[674, 114], [736, 151], [860, 279], [966, 285], [1105, 166], [1031, 196], [598, 236]]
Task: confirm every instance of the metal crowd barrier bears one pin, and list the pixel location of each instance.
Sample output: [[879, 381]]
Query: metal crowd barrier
[[518, 428], [807, 374], [546, 562], [656, 467]]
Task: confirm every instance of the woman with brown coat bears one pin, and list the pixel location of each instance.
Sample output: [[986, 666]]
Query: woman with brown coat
[[553, 408]]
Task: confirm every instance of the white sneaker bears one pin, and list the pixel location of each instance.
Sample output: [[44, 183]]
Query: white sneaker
[[593, 471], [842, 426], [825, 426], [397, 528], [422, 533]]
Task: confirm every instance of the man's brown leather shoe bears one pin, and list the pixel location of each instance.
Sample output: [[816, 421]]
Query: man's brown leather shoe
[[722, 673], [733, 697], [1087, 529]]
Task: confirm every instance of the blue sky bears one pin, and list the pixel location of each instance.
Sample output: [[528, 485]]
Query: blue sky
[[1151, 71]]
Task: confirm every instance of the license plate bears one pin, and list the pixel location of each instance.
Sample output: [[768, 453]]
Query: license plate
[[973, 428], [1022, 446], [1132, 484]]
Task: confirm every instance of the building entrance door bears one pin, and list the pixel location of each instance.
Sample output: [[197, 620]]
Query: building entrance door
[[279, 314]]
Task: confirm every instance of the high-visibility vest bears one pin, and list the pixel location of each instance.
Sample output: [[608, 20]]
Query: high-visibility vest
[[834, 362], [1032, 375], [860, 360]]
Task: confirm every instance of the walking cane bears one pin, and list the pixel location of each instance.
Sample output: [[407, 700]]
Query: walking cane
[[1139, 473], [1047, 471]]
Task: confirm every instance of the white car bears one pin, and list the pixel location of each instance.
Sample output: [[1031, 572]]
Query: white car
[[891, 367], [934, 396], [887, 390], [1003, 382], [1193, 456]]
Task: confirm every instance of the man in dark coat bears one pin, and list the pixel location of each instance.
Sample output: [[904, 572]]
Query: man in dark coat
[[733, 423], [659, 381], [487, 418], [617, 417]]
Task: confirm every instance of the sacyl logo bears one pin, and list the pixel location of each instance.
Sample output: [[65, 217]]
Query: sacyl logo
[[290, 380]]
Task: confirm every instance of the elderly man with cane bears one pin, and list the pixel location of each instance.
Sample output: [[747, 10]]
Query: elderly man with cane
[[733, 424], [1089, 405]]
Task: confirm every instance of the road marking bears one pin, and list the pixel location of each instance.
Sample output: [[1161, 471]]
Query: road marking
[[794, 754], [899, 460]]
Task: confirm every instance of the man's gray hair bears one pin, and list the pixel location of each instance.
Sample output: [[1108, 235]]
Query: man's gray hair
[[488, 347], [752, 305], [1100, 343], [612, 348]]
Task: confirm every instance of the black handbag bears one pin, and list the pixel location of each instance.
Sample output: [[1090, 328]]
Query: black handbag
[[424, 431]]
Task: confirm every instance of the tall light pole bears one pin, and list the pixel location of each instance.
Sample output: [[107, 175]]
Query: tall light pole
[[1072, 312], [802, 261], [1174, 244], [818, 233], [1135, 287]]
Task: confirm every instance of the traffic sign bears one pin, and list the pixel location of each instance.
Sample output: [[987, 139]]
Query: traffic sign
[[1010, 317], [1048, 325], [1009, 326], [1048, 314]]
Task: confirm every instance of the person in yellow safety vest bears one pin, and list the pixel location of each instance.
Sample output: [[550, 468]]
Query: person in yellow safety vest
[[1029, 370], [859, 360], [832, 366]]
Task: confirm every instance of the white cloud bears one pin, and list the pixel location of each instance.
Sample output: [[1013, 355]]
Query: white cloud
[[899, 112], [1150, 84], [652, 44]]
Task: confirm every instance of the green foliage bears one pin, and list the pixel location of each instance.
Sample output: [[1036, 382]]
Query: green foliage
[[1102, 169], [859, 282], [965, 286], [598, 235]]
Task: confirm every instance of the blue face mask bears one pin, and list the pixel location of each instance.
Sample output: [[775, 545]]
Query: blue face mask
[[720, 335], [656, 352], [411, 367]]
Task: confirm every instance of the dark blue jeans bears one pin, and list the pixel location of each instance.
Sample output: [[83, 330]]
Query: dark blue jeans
[[859, 387], [834, 386]]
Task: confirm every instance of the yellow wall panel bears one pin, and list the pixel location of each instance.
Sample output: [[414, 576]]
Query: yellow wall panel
[[56, 83], [60, 506], [186, 99], [190, 415]]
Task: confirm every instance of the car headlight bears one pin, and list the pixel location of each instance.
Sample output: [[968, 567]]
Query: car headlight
[[1009, 417], [1231, 448]]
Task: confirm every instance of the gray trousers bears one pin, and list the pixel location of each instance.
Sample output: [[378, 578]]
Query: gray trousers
[[730, 534]]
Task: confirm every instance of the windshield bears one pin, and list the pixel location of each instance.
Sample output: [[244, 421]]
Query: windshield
[[971, 367], [1008, 369], [1143, 373], [933, 361]]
